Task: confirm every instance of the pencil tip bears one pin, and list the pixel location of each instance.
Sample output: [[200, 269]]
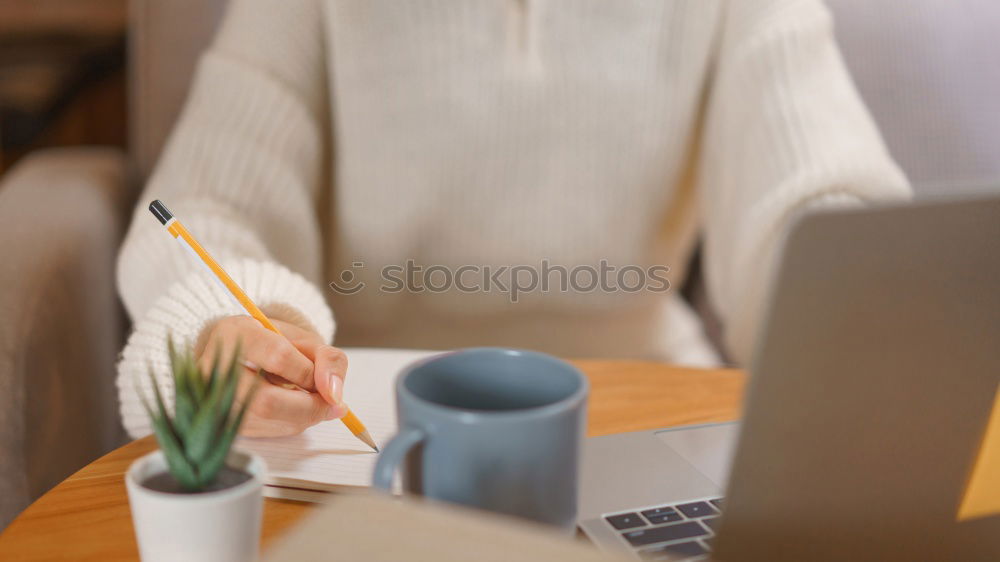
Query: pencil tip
[[367, 438]]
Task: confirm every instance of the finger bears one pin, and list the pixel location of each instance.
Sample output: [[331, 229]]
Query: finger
[[254, 425], [270, 377], [330, 372], [265, 419], [289, 407], [270, 351], [220, 344], [306, 341]]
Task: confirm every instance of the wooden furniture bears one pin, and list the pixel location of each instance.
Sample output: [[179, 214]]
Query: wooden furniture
[[62, 75], [86, 517]]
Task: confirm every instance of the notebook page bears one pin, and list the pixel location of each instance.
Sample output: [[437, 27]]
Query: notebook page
[[326, 456]]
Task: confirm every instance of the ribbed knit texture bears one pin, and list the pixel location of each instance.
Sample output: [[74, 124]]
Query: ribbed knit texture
[[321, 133]]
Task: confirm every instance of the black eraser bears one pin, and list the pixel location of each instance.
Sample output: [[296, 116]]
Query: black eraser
[[160, 211]]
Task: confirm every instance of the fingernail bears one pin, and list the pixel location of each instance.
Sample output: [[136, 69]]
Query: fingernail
[[336, 387], [335, 412]]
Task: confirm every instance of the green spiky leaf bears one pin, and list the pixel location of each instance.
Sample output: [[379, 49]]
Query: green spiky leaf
[[197, 439], [180, 467], [205, 426], [184, 405], [217, 457]]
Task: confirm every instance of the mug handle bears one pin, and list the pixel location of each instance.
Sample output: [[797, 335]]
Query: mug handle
[[392, 455]]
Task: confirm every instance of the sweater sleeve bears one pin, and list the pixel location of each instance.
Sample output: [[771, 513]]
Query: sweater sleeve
[[242, 169], [785, 131]]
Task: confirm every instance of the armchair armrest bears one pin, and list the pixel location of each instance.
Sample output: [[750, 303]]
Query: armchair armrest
[[62, 215]]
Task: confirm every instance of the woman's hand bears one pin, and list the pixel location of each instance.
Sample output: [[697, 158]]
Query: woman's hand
[[297, 356]]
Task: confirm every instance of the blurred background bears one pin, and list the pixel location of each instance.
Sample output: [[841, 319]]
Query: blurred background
[[928, 70], [62, 75], [89, 89]]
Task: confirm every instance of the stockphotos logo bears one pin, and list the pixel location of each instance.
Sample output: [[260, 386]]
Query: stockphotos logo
[[511, 280]]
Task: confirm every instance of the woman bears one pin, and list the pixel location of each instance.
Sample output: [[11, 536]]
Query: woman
[[326, 141]]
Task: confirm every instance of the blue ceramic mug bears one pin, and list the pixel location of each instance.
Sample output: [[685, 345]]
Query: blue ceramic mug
[[497, 429]]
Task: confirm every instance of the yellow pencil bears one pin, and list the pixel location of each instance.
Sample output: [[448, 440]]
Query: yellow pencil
[[177, 230]]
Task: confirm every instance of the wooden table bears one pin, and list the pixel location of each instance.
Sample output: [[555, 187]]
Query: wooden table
[[86, 517]]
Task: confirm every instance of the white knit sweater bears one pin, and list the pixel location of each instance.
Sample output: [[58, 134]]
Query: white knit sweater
[[320, 133]]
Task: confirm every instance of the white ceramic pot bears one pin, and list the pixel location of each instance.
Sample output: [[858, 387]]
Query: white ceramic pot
[[218, 526]]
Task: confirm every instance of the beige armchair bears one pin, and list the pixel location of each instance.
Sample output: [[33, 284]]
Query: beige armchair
[[62, 215], [62, 212]]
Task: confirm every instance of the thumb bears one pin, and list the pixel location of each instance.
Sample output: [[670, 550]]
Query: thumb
[[337, 409], [330, 371]]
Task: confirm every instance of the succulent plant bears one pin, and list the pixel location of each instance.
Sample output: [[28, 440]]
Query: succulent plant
[[196, 440]]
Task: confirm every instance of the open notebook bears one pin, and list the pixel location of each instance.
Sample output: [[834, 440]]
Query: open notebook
[[326, 457]]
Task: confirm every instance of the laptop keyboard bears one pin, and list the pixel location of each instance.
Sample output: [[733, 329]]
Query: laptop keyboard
[[682, 531]]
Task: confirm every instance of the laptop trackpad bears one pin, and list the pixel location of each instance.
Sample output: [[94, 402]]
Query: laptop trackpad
[[648, 468], [709, 449]]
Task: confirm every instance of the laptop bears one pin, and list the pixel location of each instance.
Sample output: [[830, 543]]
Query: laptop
[[875, 377]]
